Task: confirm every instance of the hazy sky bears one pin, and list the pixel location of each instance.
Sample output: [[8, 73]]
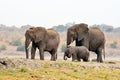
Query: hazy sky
[[48, 13]]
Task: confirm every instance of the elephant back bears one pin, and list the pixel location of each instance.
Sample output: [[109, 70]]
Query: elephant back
[[52, 34], [96, 38]]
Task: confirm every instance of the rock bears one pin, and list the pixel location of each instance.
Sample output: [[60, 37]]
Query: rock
[[6, 62]]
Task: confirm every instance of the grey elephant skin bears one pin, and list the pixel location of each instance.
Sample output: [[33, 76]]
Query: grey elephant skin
[[92, 38], [44, 40], [77, 53]]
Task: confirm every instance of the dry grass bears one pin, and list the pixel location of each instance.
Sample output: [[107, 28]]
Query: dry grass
[[60, 70]]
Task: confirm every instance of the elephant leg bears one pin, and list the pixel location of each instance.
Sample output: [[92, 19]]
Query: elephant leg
[[41, 54], [33, 50], [53, 55], [78, 59], [85, 59], [73, 58], [99, 55], [27, 54], [56, 56]]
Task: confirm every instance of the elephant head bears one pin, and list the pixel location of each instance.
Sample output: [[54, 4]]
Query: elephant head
[[35, 34], [67, 53], [77, 32], [71, 35]]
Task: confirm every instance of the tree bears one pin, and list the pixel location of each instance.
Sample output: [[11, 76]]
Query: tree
[[62, 28], [2, 47], [21, 48], [16, 42], [63, 48], [113, 45]]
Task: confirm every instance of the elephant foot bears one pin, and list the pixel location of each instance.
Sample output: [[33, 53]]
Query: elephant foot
[[53, 59], [100, 61], [41, 59], [32, 58]]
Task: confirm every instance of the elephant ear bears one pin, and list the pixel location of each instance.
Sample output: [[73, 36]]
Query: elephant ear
[[82, 30], [39, 34], [29, 33]]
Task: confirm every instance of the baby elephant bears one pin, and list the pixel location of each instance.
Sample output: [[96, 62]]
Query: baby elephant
[[77, 53]]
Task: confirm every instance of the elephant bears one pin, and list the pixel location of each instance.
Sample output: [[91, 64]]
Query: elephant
[[92, 38], [44, 40], [77, 53]]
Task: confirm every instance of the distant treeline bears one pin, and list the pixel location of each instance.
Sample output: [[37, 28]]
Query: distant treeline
[[103, 27], [60, 28], [13, 28]]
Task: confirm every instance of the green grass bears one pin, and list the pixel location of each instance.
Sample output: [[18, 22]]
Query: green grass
[[60, 70]]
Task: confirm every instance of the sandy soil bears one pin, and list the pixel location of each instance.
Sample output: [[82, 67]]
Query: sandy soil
[[112, 58]]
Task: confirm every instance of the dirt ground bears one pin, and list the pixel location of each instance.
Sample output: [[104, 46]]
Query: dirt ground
[[28, 63], [110, 58]]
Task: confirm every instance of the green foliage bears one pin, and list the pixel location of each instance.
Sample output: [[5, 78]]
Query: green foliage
[[109, 29], [113, 45], [75, 70], [63, 48], [62, 28], [104, 27], [2, 47], [21, 48], [67, 71], [16, 42], [23, 69]]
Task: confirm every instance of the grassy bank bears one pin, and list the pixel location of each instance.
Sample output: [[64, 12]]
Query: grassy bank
[[60, 70]]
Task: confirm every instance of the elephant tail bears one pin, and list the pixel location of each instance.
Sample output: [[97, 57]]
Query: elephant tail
[[104, 52]]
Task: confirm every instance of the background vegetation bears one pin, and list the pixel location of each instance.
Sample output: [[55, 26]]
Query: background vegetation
[[12, 38], [12, 45]]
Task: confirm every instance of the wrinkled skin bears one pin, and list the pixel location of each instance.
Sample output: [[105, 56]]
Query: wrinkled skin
[[44, 40], [77, 53], [92, 38]]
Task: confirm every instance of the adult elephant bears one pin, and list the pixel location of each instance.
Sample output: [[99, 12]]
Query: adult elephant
[[44, 40], [92, 38]]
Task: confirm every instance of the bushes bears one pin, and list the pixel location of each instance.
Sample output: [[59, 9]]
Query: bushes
[[2, 47], [113, 45], [63, 48], [21, 48], [16, 42]]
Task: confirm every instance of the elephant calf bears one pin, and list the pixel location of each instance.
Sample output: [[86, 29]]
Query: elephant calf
[[77, 53]]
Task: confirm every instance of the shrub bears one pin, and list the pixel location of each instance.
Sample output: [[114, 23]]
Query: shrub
[[21, 48], [63, 48], [113, 45], [2, 47], [16, 42], [23, 69]]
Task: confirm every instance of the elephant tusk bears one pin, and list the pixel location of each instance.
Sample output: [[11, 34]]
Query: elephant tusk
[[28, 47]]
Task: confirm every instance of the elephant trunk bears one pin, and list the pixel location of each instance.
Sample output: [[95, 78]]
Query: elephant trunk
[[69, 41], [27, 42], [65, 58], [68, 38]]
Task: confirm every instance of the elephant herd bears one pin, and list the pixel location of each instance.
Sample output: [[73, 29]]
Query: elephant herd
[[86, 39]]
